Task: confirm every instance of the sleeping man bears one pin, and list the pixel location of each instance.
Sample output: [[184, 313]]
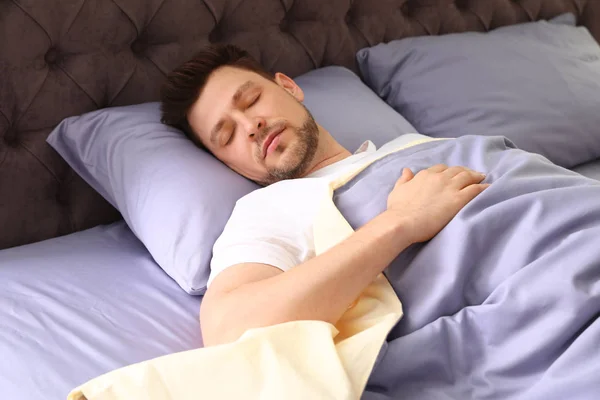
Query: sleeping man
[[498, 274], [264, 270]]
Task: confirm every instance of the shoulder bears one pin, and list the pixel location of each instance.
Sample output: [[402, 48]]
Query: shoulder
[[289, 199], [272, 226], [282, 212]]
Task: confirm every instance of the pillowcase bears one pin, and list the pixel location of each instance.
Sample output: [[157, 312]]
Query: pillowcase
[[341, 103], [536, 84], [174, 197], [177, 198]]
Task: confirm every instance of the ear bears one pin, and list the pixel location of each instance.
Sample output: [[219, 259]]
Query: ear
[[289, 85]]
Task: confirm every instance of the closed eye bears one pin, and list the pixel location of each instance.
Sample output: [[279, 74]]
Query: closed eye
[[253, 102], [231, 133]]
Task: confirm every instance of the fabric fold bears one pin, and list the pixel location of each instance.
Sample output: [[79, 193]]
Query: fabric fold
[[293, 360]]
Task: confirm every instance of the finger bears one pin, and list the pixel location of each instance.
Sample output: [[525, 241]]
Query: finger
[[438, 168], [451, 172], [406, 176], [472, 191], [466, 178]]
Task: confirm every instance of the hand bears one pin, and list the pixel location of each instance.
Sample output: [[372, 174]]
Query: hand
[[425, 203]]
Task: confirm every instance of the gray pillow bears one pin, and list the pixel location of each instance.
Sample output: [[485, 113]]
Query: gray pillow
[[348, 109], [535, 83], [177, 198]]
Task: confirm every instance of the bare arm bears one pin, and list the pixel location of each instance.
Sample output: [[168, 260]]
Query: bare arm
[[252, 295], [246, 296]]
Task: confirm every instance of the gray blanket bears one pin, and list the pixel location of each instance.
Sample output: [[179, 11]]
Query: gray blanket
[[503, 303]]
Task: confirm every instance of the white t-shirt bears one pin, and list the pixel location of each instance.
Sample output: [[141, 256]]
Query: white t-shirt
[[274, 225]]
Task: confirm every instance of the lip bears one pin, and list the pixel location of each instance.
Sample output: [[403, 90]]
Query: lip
[[269, 139]]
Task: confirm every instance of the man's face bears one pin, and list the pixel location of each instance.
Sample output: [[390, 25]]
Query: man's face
[[257, 127]]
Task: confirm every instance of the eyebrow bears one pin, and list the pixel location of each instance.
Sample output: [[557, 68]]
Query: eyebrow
[[235, 99]]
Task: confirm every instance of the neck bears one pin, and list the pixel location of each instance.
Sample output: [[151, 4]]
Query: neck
[[328, 152]]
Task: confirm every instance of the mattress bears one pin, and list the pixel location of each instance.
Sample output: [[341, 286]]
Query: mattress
[[590, 169], [74, 307]]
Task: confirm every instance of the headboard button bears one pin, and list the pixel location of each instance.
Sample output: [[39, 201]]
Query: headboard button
[[215, 35], [52, 56], [138, 47], [406, 9], [462, 4], [11, 137], [62, 197], [284, 25], [348, 18]]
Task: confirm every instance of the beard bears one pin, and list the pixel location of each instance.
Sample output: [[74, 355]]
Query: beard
[[299, 153]]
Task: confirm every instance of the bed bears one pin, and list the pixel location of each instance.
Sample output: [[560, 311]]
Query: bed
[[80, 294], [83, 304], [590, 169]]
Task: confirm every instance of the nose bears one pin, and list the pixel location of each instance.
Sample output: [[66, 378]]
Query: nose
[[252, 125]]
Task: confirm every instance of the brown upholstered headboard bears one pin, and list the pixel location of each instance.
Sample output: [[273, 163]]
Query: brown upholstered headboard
[[60, 58]]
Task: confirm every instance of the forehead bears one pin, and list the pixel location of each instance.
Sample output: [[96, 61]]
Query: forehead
[[216, 96]]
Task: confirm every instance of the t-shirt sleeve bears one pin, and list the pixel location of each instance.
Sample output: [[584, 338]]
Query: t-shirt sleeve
[[261, 233]]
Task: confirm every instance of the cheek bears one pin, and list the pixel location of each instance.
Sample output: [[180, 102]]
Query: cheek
[[295, 112], [282, 106], [242, 154]]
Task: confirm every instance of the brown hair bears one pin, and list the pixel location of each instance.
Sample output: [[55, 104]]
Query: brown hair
[[184, 84]]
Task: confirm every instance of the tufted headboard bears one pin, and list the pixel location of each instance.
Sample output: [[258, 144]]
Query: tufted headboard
[[60, 58]]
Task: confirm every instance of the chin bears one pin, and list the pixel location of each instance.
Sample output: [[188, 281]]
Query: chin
[[287, 159]]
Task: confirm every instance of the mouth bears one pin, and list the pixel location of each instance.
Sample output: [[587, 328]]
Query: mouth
[[271, 141]]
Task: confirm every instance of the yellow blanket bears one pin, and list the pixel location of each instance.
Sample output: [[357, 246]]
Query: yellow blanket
[[294, 360]]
